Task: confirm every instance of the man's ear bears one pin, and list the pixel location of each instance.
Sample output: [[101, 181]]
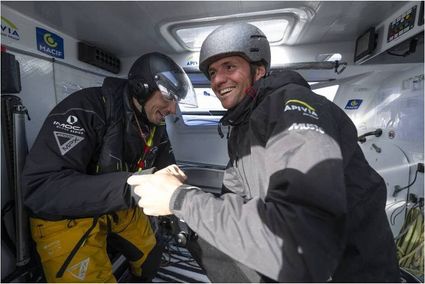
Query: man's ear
[[260, 72]]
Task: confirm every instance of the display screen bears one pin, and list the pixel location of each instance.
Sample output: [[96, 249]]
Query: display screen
[[365, 44], [362, 44]]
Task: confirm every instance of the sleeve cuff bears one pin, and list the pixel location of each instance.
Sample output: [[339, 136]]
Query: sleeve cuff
[[177, 199], [132, 195]]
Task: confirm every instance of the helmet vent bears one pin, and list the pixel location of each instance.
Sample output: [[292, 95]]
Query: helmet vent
[[254, 49], [258, 36]]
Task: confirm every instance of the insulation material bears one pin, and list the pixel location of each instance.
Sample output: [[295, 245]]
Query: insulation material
[[38, 93], [69, 80]]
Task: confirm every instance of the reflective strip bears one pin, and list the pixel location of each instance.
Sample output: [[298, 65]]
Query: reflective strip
[[150, 139]]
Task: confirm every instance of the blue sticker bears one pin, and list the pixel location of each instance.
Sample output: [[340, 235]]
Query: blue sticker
[[49, 43], [353, 104]]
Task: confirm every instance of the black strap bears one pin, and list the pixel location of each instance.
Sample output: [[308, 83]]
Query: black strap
[[61, 271], [5, 237]]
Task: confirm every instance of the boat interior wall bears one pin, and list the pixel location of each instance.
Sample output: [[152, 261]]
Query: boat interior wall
[[44, 84], [391, 100], [73, 18], [322, 31], [24, 37]]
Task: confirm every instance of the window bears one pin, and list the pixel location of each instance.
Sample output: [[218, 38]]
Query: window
[[328, 92], [195, 36], [208, 112]]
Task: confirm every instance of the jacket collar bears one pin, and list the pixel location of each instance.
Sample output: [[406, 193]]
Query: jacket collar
[[261, 88], [112, 86]]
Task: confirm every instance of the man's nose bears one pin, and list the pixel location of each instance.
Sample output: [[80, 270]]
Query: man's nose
[[219, 78], [172, 107]]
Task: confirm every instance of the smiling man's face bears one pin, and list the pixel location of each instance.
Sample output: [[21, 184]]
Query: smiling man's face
[[157, 107], [230, 78]]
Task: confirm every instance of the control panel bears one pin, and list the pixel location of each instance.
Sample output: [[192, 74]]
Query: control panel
[[399, 34], [402, 24]]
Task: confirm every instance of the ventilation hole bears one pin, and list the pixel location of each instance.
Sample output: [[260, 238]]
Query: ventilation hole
[[254, 49], [258, 36]]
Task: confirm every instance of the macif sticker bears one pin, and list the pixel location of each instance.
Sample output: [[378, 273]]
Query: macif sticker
[[49, 43], [353, 104]]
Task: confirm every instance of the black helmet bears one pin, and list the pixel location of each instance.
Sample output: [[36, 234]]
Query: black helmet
[[156, 71], [241, 39]]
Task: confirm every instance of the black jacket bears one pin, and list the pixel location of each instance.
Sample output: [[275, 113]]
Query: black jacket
[[301, 202], [86, 149]]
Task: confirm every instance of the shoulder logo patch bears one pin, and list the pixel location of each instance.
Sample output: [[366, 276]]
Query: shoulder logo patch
[[79, 270], [72, 119], [66, 141], [300, 106]]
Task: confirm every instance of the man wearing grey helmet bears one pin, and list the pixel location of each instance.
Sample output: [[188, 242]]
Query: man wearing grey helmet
[[75, 174], [300, 202]]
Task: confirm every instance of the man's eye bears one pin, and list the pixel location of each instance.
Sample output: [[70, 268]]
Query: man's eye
[[211, 73], [230, 67]]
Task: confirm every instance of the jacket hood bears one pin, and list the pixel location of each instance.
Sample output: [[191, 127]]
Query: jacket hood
[[261, 88], [112, 86], [279, 79]]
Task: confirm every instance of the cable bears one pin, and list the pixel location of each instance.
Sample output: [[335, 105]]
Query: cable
[[394, 215], [398, 189], [377, 133], [388, 206]]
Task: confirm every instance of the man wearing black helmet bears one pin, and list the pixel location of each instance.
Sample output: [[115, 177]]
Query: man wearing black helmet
[[300, 202], [75, 174]]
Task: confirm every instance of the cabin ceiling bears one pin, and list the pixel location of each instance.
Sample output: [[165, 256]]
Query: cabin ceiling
[[131, 28]]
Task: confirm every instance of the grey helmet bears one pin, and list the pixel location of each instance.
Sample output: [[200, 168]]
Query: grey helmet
[[241, 39]]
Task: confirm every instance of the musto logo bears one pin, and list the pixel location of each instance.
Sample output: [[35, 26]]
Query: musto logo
[[306, 126]]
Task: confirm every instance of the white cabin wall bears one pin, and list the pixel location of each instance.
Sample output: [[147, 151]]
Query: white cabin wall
[[26, 28], [393, 100], [45, 81], [38, 92]]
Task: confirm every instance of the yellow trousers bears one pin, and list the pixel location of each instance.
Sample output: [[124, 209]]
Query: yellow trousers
[[55, 240]]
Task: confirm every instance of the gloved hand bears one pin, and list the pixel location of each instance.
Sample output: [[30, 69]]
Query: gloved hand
[[155, 190], [144, 172], [173, 170]]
